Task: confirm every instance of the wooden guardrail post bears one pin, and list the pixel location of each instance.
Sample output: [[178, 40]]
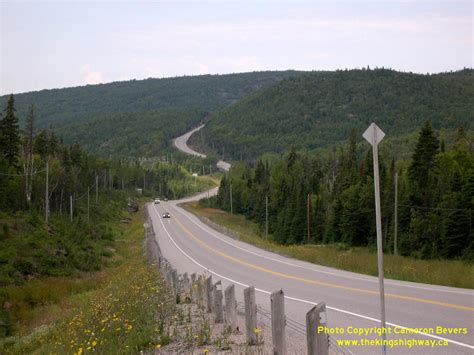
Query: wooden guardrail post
[[217, 304], [209, 287], [193, 287], [250, 315], [230, 307], [186, 287], [200, 291], [168, 273], [278, 322], [174, 277], [317, 340]]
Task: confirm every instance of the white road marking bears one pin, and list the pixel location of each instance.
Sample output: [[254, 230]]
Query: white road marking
[[302, 300], [211, 232]]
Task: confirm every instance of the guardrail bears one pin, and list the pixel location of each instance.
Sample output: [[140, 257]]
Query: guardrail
[[226, 231], [209, 296]]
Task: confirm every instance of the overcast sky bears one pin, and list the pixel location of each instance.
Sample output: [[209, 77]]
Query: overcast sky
[[65, 43]]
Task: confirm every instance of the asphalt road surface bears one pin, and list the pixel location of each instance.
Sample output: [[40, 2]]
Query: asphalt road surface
[[439, 314], [181, 144]]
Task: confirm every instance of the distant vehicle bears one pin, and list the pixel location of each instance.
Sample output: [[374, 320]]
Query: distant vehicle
[[166, 215], [157, 201], [166, 199]]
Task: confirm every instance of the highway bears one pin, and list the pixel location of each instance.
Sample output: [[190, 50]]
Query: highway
[[352, 299], [181, 143]]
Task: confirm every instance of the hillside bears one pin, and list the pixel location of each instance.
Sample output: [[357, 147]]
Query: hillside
[[58, 107], [132, 134], [320, 109]]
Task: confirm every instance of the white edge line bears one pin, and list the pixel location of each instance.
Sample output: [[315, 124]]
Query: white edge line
[[211, 232], [305, 301]]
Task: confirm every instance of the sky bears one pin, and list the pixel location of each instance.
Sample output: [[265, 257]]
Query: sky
[[57, 44]]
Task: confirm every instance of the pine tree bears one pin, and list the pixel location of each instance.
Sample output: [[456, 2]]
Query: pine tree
[[10, 134], [422, 166], [424, 157]]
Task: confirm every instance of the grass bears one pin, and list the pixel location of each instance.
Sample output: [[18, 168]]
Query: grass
[[361, 260], [124, 308]]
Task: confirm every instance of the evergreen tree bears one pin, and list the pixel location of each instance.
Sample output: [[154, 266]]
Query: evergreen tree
[[424, 157], [458, 229], [10, 134], [421, 169]]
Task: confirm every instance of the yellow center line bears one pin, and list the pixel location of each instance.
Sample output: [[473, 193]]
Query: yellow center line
[[319, 283]]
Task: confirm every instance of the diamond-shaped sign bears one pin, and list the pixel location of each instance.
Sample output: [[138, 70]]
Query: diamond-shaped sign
[[373, 134]]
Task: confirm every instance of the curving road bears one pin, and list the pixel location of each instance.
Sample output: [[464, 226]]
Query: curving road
[[181, 144], [352, 299]]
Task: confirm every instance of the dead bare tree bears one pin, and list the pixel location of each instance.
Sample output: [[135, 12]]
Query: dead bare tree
[[28, 162]]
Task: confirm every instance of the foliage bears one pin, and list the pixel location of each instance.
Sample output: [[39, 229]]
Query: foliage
[[363, 260], [138, 134], [9, 134], [96, 189], [125, 308], [336, 192], [320, 109], [58, 107]]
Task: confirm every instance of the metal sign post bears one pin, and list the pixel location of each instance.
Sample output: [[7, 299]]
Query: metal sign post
[[374, 136]]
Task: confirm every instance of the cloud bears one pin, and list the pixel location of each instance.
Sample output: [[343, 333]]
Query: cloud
[[90, 76]]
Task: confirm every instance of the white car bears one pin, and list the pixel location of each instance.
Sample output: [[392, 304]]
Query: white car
[[157, 201]]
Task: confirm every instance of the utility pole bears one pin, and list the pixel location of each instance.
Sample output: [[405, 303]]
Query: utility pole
[[374, 136], [395, 231], [88, 203], [308, 217], [266, 216], [231, 205], [143, 181], [46, 197], [96, 189], [70, 207]]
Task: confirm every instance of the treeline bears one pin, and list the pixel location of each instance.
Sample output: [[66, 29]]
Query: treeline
[[137, 134], [320, 109], [56, 201], [330, 199], [58, 107], [26, 157]]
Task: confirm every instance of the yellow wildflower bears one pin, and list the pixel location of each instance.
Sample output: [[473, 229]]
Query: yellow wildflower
[[257, 330], [158, 346]]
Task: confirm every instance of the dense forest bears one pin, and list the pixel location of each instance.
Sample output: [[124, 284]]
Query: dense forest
[[58, 107], [320, 109], [56, 199], [137, 118], [330, 199], [134, 134]]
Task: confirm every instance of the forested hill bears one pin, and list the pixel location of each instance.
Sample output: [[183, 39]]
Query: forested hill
[[206, 92], [320, 109]]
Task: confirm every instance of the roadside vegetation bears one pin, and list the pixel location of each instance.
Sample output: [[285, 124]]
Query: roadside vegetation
[[123, 308], [341, 256], [320, 109], [74, 279], [327, 200]]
